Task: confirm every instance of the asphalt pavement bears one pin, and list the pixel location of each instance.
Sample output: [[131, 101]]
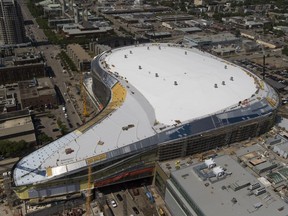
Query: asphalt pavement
[[50, 52]]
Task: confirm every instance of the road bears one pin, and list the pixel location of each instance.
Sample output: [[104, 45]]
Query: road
[[60, 79], [49, 51], [130, 203], [33, 29], [140, 202]]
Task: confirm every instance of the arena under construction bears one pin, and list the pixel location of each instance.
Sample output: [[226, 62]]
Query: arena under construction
[[158, 102]]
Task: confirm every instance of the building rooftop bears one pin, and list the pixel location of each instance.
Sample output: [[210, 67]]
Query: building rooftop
[[214, 39], [229, 194], [283, 146], [73, 29], [174, 91], [146, 109], [79, 51], [35, 88], [17, 129]]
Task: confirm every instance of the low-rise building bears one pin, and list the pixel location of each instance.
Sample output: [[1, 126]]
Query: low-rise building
[[98, 48], [211, 40], [86, 29], [17, 126], [79, 56], [37, 93], [155, 35], [225, 188], [12, 73], [224, 51], [281, 149], [24, 65], [8, 100]]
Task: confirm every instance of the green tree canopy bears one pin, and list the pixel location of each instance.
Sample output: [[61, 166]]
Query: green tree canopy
[[11, 148]]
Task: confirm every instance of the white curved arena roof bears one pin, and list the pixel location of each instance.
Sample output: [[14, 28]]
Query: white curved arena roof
[[140, 99], [153, 70]]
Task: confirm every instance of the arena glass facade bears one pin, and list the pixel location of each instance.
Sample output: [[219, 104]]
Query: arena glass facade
[[137, 160]]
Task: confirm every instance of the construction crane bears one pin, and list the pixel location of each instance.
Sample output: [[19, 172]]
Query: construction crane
[[88, 194]]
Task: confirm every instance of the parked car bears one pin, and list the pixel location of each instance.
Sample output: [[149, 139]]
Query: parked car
[[119, 197], [113, 203], [135, 210]]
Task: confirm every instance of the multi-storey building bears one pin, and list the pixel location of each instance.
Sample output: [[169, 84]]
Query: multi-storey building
[[157, 101], [11, 22]]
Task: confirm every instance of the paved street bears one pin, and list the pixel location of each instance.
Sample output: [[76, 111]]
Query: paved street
[[59, 78], [38, 33]]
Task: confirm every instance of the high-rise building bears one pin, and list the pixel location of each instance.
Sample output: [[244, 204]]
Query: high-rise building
[[11, 22]]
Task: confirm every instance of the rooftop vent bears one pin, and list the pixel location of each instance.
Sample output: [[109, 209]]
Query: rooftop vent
[[218, 171], [185, 175], [281, 208], [185, 52], [178, 121], [215, 85], [254, 186], [148, 48], [259, 191], [257, 205], [128, 127], [140, 67], [223, 82], [234, 200], [231, 78], [210, 163], [175, 83], [156, 75], [69, 151], [131, 52], [225, 66], [125, 56], [100, 142], [159, 47]]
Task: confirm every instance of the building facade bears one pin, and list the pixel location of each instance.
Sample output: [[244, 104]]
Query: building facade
[[79, 56], [149, 141], [37, 93], [11, 22], [14, 73]]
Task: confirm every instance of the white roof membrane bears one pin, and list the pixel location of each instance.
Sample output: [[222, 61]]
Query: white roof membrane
[[196, 74]]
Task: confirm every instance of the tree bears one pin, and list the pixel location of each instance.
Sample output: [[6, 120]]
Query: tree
[[11, 148], [44, 138], [285, 50], [237, 33], [62, 126]]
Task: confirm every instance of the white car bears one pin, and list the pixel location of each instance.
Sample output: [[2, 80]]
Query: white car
[[113, 203]]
